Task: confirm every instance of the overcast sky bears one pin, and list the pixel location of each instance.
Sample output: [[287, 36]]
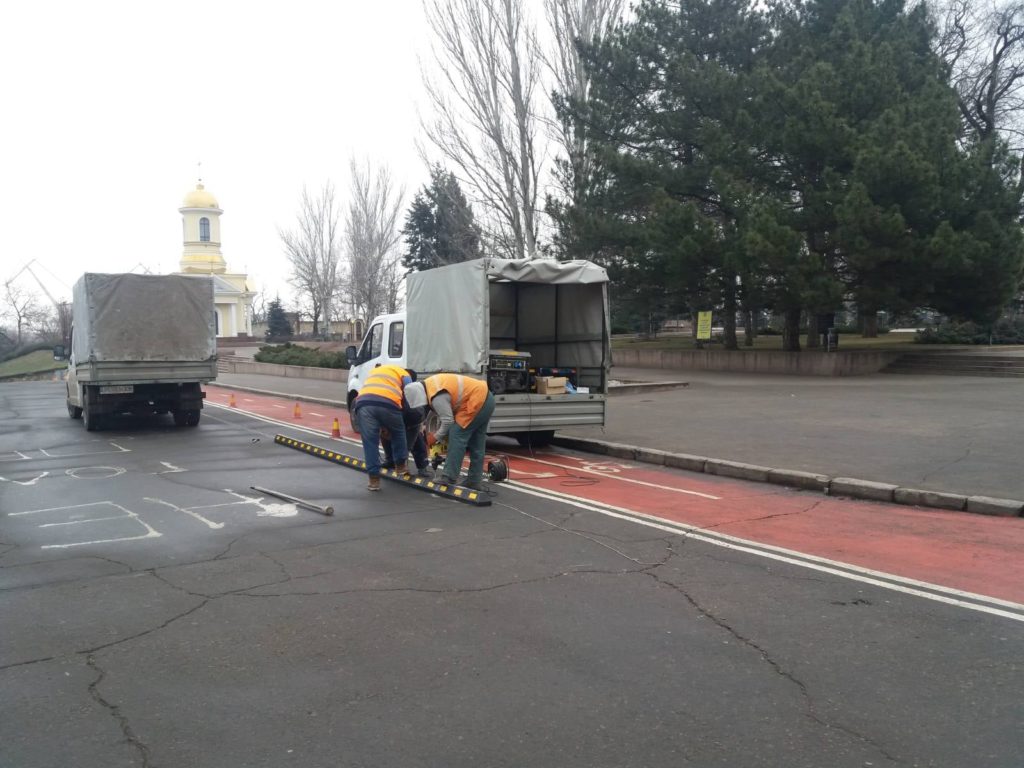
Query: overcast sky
[[108, 106]]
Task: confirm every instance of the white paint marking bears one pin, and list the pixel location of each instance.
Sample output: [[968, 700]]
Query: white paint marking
[[314, 413], [120, 448], [56, 509], [128, 514], [279, 406], [536, 475], [45, 453], [248, 400], [33, 481], [79, 522], [625, 479], [21, 456], [102, 472], [270, 509], [197, 516], [896, 583], [171, 469]]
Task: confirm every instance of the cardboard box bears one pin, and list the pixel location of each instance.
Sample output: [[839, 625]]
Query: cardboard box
[[551, 385]]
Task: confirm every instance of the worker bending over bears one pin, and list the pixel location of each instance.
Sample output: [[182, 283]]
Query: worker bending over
[[378, 405], [463, 406], [414, 412]]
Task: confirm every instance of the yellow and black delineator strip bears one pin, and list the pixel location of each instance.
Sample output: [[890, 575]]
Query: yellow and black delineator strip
[[467, 495]]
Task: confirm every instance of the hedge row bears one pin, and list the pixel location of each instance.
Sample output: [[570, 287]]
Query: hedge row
[[291, 354], [1001, 332]]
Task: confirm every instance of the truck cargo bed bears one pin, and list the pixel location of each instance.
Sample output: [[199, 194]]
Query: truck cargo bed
[[152, 372], [525, 412]]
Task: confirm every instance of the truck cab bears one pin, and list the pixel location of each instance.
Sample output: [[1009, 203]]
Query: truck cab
[[384, 344]]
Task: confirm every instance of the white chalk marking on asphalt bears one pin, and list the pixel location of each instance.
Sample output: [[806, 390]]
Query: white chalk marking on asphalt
[[171, 469], [80, 522], [150, 533], [196, 515], [120, 448], [941, 594], [624, 479], [46, 453], [271, 509], [55, 509], [21, 456], [33, 481], [106, 475]]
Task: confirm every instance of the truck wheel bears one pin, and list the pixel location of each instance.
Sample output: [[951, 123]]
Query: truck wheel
[[536, 439], [91, 420], [352, 420], [74, 411], [186, 418]]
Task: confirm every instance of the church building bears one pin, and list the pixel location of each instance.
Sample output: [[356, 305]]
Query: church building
[[200, 217]]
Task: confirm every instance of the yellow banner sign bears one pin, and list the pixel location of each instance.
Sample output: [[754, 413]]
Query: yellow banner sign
[[703, 326]]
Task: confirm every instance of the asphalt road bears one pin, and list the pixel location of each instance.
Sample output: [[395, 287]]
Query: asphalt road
[[156, 612]]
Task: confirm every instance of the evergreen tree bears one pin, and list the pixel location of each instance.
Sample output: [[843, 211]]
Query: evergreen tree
[[439, 227], [277, 321]]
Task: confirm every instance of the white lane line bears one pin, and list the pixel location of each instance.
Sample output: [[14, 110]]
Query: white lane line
[[623, 479], [283, 408], [947, 595], [314, 413], [200, 518]]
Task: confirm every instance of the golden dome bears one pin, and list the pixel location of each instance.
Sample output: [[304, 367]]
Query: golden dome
[[199, 198]]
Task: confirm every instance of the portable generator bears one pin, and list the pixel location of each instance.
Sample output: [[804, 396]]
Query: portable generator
[[508, 371]]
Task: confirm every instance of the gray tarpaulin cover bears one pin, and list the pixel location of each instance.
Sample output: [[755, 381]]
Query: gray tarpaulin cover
[[455, 312], [143, 317]]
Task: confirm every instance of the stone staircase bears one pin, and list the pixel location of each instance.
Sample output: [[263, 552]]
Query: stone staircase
[[956, 363]]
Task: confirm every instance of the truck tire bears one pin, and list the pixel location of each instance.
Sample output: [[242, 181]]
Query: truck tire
[[352, 420], [74, 411], [539, 439], [90, 420], [186, 418]]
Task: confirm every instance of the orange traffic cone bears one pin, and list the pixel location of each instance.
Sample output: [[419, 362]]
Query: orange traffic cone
[[231, 400], [336, 428], [298, 411]]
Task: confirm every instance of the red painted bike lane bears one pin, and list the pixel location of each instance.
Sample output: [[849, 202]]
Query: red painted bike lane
[[960, 551]]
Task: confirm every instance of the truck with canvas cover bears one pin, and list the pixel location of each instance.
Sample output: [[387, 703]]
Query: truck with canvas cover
[[537, 330], [140, 344]]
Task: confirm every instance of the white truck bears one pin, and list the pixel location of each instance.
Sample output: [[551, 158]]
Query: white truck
[[140, 344], [512, 323]]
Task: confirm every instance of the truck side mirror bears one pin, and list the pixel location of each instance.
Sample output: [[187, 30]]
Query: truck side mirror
[[58, 352], [350, 355]]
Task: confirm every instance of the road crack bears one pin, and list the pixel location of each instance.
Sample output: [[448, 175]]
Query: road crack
[[779, 670], [115, 711]]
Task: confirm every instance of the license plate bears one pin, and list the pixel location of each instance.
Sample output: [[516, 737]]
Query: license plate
[[117, 389]]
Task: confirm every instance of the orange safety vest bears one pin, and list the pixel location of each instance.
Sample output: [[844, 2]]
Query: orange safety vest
[[468, 395], [385, 381]]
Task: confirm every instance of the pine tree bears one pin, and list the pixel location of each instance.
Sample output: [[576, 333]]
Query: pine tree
[[439, 227], [277, 321]]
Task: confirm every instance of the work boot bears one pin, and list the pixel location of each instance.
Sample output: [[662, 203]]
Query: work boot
[[445, 480], [425, 472], [473, 485], [373, 484]]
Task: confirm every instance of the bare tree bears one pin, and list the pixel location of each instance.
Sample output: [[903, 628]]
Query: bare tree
[[23, 308], [982, 44], [372, 236], [576, 22], [485, 121], [313, 248]]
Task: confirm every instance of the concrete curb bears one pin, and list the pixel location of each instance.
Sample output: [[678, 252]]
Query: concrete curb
[[653, 386], [302, 398], [812, 481]]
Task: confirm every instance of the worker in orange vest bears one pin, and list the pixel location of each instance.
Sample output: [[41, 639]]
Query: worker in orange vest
[[463, 406], [379, 406]]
